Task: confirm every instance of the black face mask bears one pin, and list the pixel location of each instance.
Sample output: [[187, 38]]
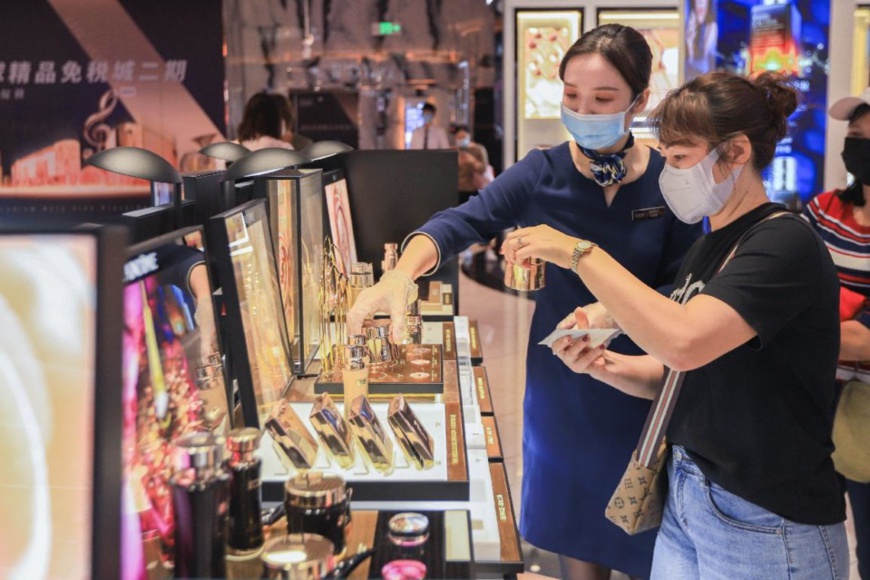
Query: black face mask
[[856, 156]]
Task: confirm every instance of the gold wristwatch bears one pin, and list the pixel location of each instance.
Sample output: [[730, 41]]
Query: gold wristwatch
[[582, 247]]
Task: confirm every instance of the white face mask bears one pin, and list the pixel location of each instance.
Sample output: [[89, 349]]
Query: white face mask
[[693, 193]]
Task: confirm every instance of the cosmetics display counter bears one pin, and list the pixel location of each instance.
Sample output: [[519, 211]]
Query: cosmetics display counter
[[495, 537], [466, 475], [446, 480], [444, 549]]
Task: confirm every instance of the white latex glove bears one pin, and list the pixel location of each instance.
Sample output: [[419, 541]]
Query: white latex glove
[[393, 292]]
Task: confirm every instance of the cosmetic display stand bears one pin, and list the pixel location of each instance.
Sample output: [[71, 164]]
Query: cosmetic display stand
[[418, 371], [406, 482], [494, 534]]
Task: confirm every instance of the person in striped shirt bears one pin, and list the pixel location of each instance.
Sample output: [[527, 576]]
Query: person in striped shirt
[[842, 219]]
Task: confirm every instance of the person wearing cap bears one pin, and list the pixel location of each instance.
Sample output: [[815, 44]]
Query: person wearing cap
[[429, 135], [842, 219]]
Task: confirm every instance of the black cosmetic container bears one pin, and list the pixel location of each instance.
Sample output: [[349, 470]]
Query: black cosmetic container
[[318, 503], [245, 528], [200, 494]]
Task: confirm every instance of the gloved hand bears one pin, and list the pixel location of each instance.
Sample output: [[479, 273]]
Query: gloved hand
[[393, 292]]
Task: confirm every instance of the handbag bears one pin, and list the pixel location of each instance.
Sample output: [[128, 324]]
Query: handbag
[[638, 502], [639, 499], [851, 432]]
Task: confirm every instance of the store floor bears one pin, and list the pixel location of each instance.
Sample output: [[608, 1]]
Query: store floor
[[503, 320]]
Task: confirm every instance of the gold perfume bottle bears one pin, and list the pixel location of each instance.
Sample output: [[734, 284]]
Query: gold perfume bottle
[[410, 434], [295, 445], [413, 333], [355, 376], [381, 348], [333, 430], [391, 257], [376, 444], [361, 277]]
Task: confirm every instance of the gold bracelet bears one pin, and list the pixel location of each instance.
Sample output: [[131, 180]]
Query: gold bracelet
[[582, 248]]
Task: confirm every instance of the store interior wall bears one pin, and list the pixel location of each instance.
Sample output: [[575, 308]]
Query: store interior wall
[[443, 53]]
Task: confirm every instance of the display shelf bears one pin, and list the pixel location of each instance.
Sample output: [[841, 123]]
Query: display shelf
[[494, 534], [493, 439], [447, 553], [436, 300], [417, 371], [481, 389], [484, 519], [446, 480], [474, 343], [510, 557], [443, 333]]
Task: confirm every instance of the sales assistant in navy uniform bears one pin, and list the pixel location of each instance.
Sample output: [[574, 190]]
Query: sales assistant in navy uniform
[[753, 492], [578, 434]]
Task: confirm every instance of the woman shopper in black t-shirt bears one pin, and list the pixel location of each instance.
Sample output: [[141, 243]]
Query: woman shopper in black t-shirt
[[753, 492]]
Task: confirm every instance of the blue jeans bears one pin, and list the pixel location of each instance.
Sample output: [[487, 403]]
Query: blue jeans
[[712, 534], [859, 497]]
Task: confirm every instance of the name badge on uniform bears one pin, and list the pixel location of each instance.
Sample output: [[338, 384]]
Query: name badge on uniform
[[647, 213]]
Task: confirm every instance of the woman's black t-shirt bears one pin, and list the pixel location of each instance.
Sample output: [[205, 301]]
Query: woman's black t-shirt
[[758, 419]]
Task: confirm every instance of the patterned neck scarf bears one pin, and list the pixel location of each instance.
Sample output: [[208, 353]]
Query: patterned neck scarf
[[608, 168]]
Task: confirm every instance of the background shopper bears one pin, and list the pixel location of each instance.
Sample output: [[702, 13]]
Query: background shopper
[[264, 123], [752, 487], [429, 135], [578, 434], [842, 219]]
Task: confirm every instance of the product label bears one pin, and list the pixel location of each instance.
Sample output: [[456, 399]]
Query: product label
[[502, 510], [481, 390], [454, 441]]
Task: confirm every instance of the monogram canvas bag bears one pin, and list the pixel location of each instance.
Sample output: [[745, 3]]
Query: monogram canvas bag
[[637, 504]]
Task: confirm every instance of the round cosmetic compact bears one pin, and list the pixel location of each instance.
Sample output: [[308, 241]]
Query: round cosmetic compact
[[526, 277], [404, 570], [298, 557], [318, 503], [408, 529]]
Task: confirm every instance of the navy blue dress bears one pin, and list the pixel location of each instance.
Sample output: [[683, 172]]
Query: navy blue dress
[[578, 433]]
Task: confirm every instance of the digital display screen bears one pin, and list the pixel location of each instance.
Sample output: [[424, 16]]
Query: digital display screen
[[48, 293], [173, 384]]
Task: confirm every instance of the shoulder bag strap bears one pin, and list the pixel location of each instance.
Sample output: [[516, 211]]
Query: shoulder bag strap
[[660, 415]]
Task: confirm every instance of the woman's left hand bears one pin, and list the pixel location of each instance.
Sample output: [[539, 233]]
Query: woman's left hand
[[541, 242]]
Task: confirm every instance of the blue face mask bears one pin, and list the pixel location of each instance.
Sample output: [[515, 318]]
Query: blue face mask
[[595, 131], [427, 117]]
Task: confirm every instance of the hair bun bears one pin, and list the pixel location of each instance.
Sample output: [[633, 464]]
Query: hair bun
[[781, 98]]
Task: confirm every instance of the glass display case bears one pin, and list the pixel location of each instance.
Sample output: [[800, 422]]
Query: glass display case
[[542, 38], [241, 243], [295, 207], [661, 29]]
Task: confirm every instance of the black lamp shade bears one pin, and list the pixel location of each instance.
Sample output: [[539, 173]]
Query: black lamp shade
[[225, 150], [323, 149], [263, 161], [136, 162]]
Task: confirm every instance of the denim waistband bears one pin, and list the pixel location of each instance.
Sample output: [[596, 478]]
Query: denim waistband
[[682, 461]]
